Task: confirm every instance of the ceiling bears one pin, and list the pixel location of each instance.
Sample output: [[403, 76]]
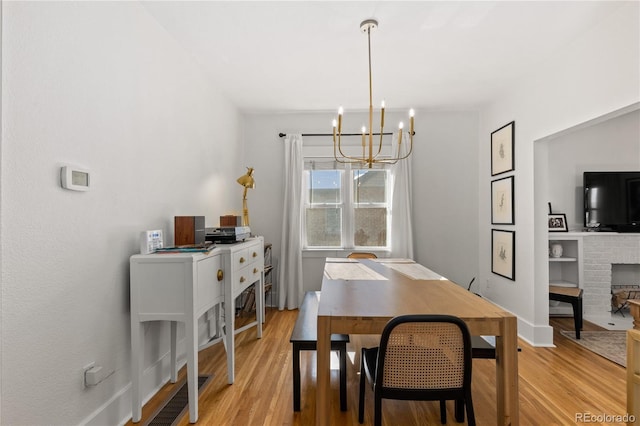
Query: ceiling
[[310, 56]]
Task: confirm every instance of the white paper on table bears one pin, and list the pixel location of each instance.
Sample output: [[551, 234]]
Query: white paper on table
[[415, 271], [350, 271], [394, 260]]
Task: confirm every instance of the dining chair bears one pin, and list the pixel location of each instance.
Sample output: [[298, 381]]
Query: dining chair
[[422, 358], [362, 255]]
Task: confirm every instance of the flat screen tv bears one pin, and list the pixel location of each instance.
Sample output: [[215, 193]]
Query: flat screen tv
[[612, 199]]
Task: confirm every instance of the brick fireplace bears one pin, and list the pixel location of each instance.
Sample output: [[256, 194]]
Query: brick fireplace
[[600, 252]]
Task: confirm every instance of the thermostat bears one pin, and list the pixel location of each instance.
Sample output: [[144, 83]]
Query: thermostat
[[74, 178]]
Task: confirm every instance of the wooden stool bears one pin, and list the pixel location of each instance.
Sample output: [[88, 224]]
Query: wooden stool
[[305, 338], [571, 295]]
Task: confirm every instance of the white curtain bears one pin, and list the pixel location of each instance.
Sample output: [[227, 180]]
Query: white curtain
[[290, 290], [401, 217]]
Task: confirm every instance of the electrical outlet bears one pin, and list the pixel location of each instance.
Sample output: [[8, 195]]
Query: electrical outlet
[[84, 373], [93, 376]]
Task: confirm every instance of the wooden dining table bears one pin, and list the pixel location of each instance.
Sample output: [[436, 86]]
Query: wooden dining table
[[361, 296]]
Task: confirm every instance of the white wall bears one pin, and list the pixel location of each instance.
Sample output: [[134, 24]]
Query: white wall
[[444, 184], [610, 145], [445, 196], [597, 74], [99, 85]]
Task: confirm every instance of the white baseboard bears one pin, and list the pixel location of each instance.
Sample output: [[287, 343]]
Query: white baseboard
[[118, 409], [535, 335]]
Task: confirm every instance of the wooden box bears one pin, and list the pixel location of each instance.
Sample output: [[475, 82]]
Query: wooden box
[[189, 230], [230, 220]]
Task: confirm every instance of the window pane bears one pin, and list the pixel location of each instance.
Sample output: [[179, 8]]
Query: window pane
[[370, 227], [369, 186], [324, 186], [323, 227]]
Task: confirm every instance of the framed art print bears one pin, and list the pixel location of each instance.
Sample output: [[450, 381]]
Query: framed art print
[[502, 144], [502, 203], [503, 255], [558, 222]]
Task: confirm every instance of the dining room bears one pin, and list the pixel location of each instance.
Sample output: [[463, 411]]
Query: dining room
[[124, 94]]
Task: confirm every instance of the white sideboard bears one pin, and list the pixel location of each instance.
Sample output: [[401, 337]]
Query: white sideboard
[[181, 287]]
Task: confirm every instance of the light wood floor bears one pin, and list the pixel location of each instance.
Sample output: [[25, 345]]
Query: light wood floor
[[555, 384]]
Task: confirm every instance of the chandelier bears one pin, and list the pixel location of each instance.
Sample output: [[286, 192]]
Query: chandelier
[[369, 157]]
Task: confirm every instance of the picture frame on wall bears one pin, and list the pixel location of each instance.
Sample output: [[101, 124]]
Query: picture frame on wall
[[558, 222], [502, 202], [502, 149], [503, 255]]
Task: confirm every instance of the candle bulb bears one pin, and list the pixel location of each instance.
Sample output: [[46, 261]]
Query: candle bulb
[[400, 126], [411, 114], [364, 130], [340, 111], [333, 123], [381, 116]]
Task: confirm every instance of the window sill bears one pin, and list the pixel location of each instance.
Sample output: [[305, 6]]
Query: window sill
[[322, 253]]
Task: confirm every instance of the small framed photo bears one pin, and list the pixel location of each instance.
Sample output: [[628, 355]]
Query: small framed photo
[[502, 204], [503, 255], [558, 222], [502, 147]]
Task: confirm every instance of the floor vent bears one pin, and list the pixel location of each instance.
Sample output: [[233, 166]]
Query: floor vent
[[176, 406]]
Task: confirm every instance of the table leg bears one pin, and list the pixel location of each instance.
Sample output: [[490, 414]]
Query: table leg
[[296, 377], [219, 320], [343, 377], [507, 373], [264, 313], [229, 337], [323, 353], [259, 297], [174, 351], [137, 355], [577, 316], [191, 331]]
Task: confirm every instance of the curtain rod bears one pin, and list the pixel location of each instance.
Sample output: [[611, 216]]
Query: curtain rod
[[343, 134]]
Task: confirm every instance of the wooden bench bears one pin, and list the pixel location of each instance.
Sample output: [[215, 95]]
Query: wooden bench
[[483, 349], [480, 348], [305, 338], [571, 295]]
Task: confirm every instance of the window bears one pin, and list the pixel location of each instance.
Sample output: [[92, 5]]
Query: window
[[346, 207], [323, 207]]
